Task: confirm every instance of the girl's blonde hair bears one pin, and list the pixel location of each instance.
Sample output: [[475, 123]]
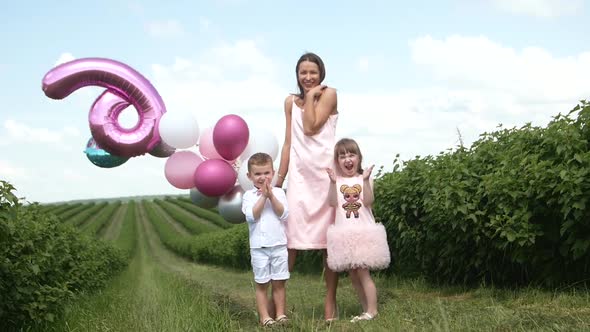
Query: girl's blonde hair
[[348, 145]]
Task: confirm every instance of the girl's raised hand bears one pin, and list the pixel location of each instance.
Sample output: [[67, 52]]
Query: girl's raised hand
[[331, 174], [367, 172]]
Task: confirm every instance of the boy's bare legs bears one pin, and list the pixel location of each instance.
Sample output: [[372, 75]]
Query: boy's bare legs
[[262, 302], [358, 287], [272, 311], [279, 297], [331, 277], [370, 291]]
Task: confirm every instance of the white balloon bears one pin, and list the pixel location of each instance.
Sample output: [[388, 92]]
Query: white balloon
[[230, 206], [261, 140], [243, 180], [179, 129]]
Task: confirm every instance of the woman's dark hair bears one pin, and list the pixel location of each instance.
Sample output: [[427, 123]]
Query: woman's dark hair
[[311, 57]]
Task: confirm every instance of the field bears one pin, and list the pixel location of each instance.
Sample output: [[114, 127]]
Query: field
[[163, 290]]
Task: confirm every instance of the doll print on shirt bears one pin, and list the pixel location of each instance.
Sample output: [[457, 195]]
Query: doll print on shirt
[[351, 196]]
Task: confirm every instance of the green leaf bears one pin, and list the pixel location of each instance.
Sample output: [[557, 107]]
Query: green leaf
[[510, 236]]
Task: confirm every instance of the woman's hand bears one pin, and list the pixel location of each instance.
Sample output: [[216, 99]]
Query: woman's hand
[[316, 91]]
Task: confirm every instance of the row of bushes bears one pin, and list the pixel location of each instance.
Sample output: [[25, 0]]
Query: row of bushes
[[45, 263], [228, 247], [512, 208]]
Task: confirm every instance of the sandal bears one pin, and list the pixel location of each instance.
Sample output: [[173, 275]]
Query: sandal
[[282, 319], [268, 322], [363, 316]]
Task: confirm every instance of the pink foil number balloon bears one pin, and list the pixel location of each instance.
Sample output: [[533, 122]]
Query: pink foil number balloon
[[124, 86], [230, 136]]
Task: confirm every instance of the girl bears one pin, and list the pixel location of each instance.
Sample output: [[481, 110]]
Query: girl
[[311, 117], [355, 242]]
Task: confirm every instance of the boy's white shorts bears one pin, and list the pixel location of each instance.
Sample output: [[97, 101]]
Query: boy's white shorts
[[270, 263]]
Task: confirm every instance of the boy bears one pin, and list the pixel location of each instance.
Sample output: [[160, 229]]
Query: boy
[[266, 211]]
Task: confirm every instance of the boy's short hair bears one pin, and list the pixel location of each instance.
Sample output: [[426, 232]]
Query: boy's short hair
[[259, 159]]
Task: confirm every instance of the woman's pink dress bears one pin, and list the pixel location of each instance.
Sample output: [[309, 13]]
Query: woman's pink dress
[[308, 183], [356, 240]]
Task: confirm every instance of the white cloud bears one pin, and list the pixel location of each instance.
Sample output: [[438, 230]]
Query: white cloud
[[476, 85], [10, 172], [204, 23], [135, 7], [231, 78], [168, 28], [19, 132], [371, 63], [530, 74], [64, 57], [363, 64], [540, 8]]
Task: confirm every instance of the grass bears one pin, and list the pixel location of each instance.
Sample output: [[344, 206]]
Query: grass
[[164, 292], [147, 297]]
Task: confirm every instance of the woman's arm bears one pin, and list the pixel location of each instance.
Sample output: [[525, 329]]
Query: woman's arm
[[316, 114], [284, 163]]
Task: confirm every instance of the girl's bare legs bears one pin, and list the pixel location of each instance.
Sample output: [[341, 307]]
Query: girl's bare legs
[[262, 302], [358, 287], [331, 278], [369, 289]]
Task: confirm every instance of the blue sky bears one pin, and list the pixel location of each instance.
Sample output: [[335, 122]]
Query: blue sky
[[429, 68]]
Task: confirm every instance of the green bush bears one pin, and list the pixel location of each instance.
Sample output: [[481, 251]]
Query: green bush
[[45, 263], [231, 248], [512, 208]]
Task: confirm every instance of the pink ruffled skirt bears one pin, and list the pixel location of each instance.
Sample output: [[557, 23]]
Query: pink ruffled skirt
[[357, 245]]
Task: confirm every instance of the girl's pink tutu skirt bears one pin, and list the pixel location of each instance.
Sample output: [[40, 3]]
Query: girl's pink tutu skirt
[[354, 245]]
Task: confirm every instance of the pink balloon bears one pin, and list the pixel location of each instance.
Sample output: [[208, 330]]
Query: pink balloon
[[230, 136], [206, 146], [180, 169], [215, 177]]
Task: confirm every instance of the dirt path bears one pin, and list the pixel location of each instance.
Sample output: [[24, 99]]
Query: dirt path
[[177, 226], [189, 214], [112, 230], [239, 306]]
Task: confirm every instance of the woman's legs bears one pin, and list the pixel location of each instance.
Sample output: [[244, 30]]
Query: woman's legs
[[292, 256], [331, 277], [358, 287], [369, 289]]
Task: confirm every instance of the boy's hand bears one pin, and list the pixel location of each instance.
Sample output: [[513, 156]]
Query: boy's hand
[[367, 172], [331, 174], [269, 188]]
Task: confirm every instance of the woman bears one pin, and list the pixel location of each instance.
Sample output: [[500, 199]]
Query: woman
[[310, 134]]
